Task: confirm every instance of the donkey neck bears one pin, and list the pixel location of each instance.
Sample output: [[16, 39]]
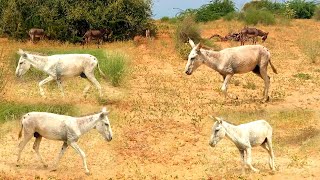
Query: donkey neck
[[233, 133], [211, 58], [87, 123], [37, 61]]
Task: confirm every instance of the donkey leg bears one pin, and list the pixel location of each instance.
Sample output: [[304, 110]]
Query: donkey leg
[[36, 149], [63, 150], [86, 89], [270, 151], [243, 161], [265, 77], [41, 83], [22, 144], [59, 82], [94, 81], [225, 85], [249, 160], [75, 146]]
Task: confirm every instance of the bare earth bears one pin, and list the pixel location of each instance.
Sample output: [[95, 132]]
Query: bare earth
[[160, 117]]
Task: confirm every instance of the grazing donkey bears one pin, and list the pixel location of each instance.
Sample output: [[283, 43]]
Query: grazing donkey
[[247, 33], [36, 33], [95, 34], [245, 136], [59, 66], [61, 128], [232, 61]]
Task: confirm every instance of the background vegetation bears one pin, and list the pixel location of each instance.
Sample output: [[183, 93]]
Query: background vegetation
[[68, 20]]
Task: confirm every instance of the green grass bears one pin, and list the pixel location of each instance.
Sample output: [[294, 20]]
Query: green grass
[[13, 110], [302, 76], [115, 66]]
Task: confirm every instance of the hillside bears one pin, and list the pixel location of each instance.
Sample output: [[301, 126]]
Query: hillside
[[159, 115]]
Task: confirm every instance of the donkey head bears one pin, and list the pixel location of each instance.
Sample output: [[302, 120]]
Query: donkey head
[[195, 58], [103, 126], [265, 36], [218, 132], [23, 64]]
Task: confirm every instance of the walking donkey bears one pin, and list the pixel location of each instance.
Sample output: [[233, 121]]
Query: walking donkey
[[61, 128], [95, 34], [245, 136], [230, 61], [36, 33], [247, 33], [60, 66]]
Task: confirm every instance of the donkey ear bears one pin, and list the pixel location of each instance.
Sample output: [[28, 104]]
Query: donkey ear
[[105, 111], [219, 120], [199, 46], [22, 53], [191, 43]]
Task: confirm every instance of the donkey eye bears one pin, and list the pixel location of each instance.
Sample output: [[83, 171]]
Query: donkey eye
[[21, 63], [106, 124]]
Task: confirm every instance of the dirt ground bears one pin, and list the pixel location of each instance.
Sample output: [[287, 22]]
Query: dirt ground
[[159, 116]]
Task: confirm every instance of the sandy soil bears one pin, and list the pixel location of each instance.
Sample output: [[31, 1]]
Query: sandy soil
[[160, 115]]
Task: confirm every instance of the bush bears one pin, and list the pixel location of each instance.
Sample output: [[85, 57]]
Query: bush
[[165, 19], [253, 17], [187, 28], [274, 7], [303, 9], [214, 10], [68, 20], [115, 67], [316, 15], [231, 16]]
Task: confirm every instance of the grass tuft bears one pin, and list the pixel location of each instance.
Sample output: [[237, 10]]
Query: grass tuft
[[13, 110], [115, 66]]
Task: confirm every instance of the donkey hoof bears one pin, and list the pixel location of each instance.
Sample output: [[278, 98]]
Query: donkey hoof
[[88, 173]]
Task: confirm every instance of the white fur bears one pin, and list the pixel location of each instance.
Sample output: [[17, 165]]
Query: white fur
[[60, 66], [230, 61], [245, 136], [61, 128]]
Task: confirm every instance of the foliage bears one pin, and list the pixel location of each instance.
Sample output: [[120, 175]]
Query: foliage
[[253, 17], [68, 20], [214, 10], [115, 67], [316, 15], [303, 9], [231, 16], [274, 7], [303, 76], [310, 47], [187, 28], [13, 110]]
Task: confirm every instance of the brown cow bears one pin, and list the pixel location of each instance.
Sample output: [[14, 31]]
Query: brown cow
[[96, 35], [36, 33], [247, 32]]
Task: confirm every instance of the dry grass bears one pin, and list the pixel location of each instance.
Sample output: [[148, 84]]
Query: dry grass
[[160, 115]]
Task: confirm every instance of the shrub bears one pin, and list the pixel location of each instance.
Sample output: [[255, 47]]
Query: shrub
[[165, 19], [316, 15], [274, 7], [187, 28], [214, 10], [115, 67], [310, 48], [253, 17], [303, 9], [231, 16]]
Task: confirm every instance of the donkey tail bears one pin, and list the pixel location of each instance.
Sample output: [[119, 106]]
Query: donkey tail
[[101, 72], [273, 68], [20, 132]]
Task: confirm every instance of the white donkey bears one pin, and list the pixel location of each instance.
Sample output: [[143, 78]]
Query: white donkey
[[245, 136], [58, 66], [62, 128], [232, 61]]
